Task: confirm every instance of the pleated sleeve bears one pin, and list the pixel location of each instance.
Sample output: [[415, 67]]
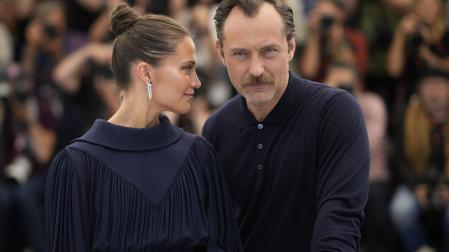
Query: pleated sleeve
[[66, 205], [223, 229]]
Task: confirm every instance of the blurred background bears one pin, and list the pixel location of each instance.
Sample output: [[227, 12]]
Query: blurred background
[[392, 55]]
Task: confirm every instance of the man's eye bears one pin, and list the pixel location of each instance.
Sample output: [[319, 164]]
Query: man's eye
[[269, 52], [239, 54]]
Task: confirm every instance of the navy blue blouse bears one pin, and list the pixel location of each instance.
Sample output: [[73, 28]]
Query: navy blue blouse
[[127, 189]]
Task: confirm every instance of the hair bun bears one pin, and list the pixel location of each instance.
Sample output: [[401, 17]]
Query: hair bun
[[122, 18]]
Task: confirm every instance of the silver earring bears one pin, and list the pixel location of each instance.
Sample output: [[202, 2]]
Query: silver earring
[[150, 92]]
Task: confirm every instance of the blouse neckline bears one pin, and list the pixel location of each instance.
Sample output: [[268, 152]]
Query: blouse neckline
[[124, 138]]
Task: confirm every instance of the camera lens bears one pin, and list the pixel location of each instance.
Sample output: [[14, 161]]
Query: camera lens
[[416, 40], [326, 23], [51, 31]]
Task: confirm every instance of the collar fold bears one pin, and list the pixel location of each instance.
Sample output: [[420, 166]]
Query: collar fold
[[118, 137]]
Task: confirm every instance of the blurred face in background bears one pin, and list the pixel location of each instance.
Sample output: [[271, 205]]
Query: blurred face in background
[[434, 93], [328, 8], [429, 10], [175, 6], [400, 5]]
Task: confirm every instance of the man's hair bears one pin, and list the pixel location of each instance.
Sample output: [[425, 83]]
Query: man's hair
[[430, 72], [250, 8]]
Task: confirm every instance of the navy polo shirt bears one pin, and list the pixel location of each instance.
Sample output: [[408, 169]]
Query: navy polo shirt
[[299, 179]]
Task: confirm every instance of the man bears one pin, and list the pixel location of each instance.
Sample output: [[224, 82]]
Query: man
[[295, 153]]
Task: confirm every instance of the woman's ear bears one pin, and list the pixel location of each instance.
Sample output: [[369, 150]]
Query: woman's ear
[[144, 71]]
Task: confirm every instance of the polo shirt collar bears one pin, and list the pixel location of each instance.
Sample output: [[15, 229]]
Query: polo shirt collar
[[281, 112]]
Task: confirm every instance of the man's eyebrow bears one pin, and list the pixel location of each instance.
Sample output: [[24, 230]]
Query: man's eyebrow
[[238, 49], [270, 46]]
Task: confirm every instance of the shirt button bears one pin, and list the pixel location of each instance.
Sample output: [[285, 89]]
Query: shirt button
[[260, 126], [259, 167], [259, 146]]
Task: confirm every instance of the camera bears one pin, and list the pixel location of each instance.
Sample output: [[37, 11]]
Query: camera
[[416, 39], [51, 31], [326, 23], [103, 70]]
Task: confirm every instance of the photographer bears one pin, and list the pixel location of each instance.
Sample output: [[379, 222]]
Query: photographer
[[45, 43], [329, 41], [87, 84], [27, 142], [420, 40], [422, 200]]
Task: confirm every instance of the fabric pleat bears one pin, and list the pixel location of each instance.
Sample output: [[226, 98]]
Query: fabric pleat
[[102, 199]]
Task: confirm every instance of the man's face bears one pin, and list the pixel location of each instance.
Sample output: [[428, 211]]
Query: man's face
[[256, 54], [434, 92]]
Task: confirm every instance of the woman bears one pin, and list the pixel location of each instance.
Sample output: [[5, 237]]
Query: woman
[[136, 182]]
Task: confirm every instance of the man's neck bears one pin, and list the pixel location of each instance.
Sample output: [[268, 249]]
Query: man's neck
[[261, 112]]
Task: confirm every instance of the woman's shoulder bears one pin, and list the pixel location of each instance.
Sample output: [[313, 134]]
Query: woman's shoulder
[[197, 143]]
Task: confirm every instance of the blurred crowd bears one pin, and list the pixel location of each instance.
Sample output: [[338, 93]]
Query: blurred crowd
[[392, 55]]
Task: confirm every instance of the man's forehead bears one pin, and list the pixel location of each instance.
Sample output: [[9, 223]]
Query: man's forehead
[[266, 14]]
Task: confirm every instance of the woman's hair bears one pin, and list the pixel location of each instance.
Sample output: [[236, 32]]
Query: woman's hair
[[149, 38], [417, 142]]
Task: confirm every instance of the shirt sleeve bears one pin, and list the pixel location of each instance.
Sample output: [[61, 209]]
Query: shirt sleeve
[[66, 212], [343, 168], [223, 229]]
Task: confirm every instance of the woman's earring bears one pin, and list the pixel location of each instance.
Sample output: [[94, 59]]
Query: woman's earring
[[150, 92]]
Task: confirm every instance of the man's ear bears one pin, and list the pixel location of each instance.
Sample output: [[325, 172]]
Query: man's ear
[[291, 48], [219, 48]]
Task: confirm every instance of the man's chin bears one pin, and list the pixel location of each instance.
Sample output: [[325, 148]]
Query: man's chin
[[259, 99]]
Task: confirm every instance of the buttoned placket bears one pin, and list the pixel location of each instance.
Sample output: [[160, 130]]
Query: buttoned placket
[[259, 146]]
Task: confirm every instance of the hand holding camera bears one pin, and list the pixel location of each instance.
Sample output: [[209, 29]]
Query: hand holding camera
[[415, 30]]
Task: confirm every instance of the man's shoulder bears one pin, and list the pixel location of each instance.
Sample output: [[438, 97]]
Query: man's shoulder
[[315, 92]]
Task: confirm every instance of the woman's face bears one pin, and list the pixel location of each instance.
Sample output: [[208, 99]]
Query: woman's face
[[174, 79]]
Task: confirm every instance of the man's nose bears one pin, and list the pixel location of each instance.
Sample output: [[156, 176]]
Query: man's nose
[[256, 68]]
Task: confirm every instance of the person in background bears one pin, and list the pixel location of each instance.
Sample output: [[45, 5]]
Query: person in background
[[330, 40], [421, 40], [419, 208]]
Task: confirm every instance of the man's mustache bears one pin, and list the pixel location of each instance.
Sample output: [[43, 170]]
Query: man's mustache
[[259, 80]]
